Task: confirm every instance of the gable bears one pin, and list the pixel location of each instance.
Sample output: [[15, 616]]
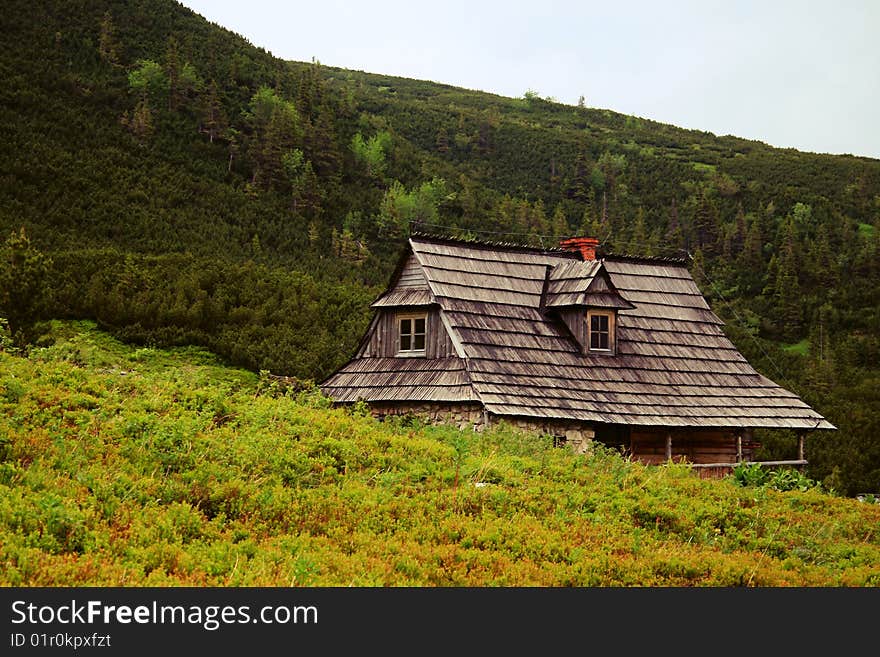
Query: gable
[[411, 275], [381, 340], [409, 287]]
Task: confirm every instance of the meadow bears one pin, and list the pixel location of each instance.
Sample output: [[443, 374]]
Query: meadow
[[139, 466]]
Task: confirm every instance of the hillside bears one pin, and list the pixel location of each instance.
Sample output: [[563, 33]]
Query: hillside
[[126, 466], [184, 187]]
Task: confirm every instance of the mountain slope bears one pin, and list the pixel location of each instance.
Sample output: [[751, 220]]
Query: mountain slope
[[190, 188]]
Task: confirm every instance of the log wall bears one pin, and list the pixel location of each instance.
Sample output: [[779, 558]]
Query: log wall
[[694, 446]]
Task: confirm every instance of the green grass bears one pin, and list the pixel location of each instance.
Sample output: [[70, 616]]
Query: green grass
[[801, 348], [702, 167], [866, 230], [127, 466]]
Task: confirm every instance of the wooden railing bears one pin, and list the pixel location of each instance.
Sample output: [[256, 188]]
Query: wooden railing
[[712, 470], [797, 462]]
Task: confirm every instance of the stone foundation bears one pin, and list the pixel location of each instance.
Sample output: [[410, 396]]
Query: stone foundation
[[575, 435], [463, 416]]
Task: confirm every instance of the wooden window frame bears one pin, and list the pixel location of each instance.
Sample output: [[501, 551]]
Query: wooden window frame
[[412, 317], [612, 329]]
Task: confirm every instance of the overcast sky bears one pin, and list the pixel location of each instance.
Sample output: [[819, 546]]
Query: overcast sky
[[798, 74]]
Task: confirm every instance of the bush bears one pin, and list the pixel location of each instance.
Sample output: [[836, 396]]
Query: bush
[[783, 479]]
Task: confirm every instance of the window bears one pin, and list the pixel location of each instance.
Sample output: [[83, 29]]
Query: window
[[412, 334], [600, 326]]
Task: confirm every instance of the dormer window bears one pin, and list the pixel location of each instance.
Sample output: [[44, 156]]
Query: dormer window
[[412, 331], [600, 331]]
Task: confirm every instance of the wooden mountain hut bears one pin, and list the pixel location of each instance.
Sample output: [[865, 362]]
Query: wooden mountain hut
[[619, 349]]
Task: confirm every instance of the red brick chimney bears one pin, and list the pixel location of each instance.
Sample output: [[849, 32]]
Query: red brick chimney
[[586, 246]]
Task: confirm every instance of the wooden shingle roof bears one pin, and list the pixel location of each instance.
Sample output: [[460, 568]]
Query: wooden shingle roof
[[673, 365], [402, 379]]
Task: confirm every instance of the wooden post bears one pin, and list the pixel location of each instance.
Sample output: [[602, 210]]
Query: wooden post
[[801, 437], [669, 446], [739, 448]]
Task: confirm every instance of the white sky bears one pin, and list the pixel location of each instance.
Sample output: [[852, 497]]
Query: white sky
[[799, 74]]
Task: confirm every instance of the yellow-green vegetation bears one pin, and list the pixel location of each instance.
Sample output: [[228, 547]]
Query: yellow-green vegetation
[[131, 466], [801, 348]]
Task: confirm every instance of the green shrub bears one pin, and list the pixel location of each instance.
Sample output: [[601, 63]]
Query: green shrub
[[781, 479], [750, 474]]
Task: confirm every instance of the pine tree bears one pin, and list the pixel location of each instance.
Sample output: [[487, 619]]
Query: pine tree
[[589, 226], [520, 224], [141, 122], [350, 249], [706, 224], [314, 233], [172, 72], [786, 286], [538, 219], [276, 127], [820, 270], [675, 237], [580, 178], [108, 45], [750, 261], [739, 232], [698, 270], [214, 121], [820, 371], [321, 146], [442, 141], [505, 215], [276, 142], [559, 222], [307, 192], [484, 138], [310, 92], [639, 241]]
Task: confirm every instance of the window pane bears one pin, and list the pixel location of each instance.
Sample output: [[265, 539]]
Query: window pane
[[600, 332], [412, 333]]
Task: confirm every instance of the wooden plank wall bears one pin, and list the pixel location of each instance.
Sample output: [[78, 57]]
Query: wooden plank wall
[[384, 339], [576, 321], [710, 446], [411, 275]]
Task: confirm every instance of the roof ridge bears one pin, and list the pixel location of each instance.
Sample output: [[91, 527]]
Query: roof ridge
[[510, 246], [626, 257], [556, 250]]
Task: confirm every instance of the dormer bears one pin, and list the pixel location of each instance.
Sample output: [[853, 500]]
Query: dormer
[[583, 296], [407, 323]]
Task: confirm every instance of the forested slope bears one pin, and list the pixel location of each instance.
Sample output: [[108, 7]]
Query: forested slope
[[183, 186]]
